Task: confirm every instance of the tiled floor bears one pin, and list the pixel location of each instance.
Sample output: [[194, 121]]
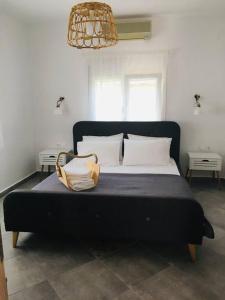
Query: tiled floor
[[50, 268]]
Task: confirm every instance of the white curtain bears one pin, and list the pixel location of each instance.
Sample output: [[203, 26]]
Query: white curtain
[[108, 75]]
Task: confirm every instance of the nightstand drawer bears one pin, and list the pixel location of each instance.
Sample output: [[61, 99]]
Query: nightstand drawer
[[51, 160], [49, 157], [208, 164]]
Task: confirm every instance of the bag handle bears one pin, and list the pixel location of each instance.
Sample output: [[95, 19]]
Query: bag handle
[[93, 167], [75, 156]]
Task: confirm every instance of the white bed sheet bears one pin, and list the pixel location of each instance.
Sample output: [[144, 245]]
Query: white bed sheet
[[171, 168]]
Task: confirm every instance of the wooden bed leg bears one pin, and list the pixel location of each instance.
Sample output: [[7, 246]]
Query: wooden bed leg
[[3, 283], [15, 236], [193, 251]]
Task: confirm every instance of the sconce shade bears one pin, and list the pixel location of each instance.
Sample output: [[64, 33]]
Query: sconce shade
[[92, 25], [197, 110], [58, 111]]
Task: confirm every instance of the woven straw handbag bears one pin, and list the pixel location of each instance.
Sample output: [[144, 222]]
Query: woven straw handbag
[[93, 166]]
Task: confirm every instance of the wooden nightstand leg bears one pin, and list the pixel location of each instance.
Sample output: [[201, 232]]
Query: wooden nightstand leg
[[190, 176], [3, 283], [42, 172], [186, 176], [3, 280], [218, 177]]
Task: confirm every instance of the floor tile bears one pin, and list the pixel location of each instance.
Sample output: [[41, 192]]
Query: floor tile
[[216, 215], [56, 256], [208, 269], [103, 249], [170, 252], [173, 284], [41, 291], [9, 251], [213, 198], [21, 273], [217, 246], [135, 264], [91, 281], [129, 295]]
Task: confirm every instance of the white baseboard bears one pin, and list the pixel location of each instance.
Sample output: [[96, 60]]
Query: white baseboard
[[2, 192]]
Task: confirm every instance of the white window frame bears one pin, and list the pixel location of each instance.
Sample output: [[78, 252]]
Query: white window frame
[[125, 91]]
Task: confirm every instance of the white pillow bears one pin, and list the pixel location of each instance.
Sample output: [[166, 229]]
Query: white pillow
[[115, 137], [146, 152], [107, 152], [143, 137]]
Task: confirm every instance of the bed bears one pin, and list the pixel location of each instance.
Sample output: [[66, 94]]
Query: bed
[[146, 203]]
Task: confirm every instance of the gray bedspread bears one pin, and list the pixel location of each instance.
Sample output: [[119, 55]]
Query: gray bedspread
[[153, 207], [141, 185]]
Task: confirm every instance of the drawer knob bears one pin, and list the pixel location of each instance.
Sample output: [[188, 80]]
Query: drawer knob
[[205, 160], [148, 219]]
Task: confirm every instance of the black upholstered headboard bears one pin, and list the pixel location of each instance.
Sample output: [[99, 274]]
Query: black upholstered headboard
[[157, 129]]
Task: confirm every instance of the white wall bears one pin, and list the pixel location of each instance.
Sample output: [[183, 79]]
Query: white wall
[[38, 67], [59, 70], [16, 106], [196, 65]]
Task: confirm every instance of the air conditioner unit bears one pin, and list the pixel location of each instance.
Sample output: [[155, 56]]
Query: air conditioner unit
[[131, 30]]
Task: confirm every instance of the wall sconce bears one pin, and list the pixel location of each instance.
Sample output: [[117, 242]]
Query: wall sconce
[[58, 110], [197, 105]]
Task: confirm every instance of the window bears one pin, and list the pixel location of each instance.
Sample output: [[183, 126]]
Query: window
[[142, 97], [108, 100], [132, 98]]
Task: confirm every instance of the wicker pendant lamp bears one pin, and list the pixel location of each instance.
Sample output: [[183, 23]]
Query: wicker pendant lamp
[[92, 25]]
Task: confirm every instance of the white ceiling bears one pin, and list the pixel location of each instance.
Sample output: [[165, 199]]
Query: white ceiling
[[38, 9]]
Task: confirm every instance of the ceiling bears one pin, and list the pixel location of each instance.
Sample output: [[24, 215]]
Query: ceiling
[[39, 9]]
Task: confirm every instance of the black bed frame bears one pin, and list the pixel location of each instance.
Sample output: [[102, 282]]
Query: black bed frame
[[42, 211]]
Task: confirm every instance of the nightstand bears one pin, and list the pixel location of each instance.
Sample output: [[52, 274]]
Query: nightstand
[[48, 158], [199, 161]]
